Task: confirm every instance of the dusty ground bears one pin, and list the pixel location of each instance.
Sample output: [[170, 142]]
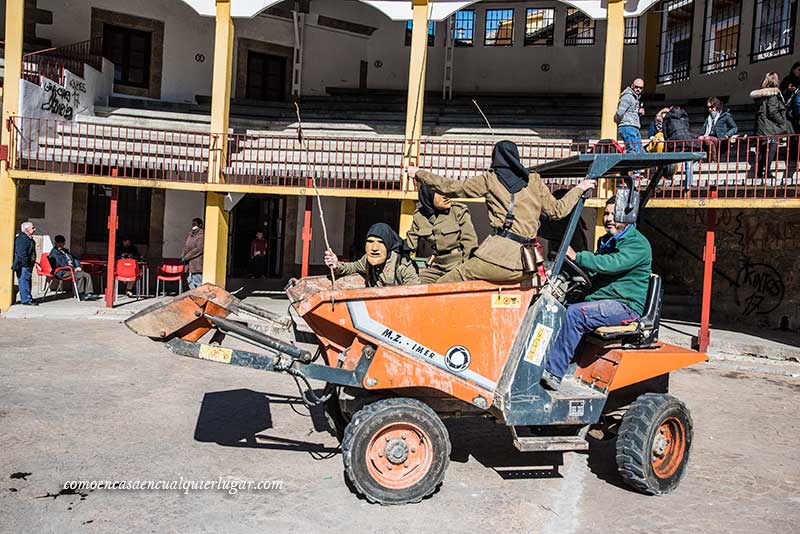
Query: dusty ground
[[88, 400]]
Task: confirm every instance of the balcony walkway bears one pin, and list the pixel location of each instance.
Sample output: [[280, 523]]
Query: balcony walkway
[[369, 166]]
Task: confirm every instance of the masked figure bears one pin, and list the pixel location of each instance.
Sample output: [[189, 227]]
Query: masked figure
[[385, 263], [515, 200], [447, 227]]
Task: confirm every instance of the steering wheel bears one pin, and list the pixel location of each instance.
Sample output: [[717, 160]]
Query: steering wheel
[[577, 276]]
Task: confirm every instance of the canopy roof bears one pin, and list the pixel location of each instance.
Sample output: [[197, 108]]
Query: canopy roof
[[401, 9]]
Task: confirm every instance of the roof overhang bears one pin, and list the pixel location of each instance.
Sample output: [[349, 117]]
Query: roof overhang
[[401, 9]]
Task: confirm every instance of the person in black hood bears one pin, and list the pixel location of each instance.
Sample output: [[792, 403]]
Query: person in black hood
[[447, 228], [508, 167], [515, 199], [386, 261], [676, 131]]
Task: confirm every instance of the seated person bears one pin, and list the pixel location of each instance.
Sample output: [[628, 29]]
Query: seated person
[[385, 263], [620, 271], [447, 227], [127, 250], [60, 256]]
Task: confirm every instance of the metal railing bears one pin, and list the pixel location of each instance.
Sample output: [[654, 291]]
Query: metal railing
[[52, 63], [747, 167]]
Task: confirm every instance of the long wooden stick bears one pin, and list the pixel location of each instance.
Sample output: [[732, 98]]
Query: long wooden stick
[[303, 144]]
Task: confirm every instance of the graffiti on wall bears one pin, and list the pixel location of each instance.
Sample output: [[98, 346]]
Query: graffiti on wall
[[58, 100], [759, 287]]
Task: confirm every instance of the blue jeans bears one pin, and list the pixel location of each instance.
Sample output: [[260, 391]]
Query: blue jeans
[[632, 138], [584, 317], [24, 275], [194, 279]]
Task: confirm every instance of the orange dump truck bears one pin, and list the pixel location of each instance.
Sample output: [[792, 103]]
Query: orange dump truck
[[398, 360]]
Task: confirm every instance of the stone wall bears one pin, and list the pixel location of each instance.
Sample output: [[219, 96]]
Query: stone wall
[[756, 278]]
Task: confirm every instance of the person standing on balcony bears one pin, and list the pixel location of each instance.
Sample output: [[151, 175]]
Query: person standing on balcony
[[771, 122], [790, 88], [192, 255], [447, 227], [24, 260], [627, 116], [515, 199]]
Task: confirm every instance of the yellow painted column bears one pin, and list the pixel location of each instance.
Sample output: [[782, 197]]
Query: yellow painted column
[[15, 12], [416, 102], [215, 250], [612, 84], [612, 74]]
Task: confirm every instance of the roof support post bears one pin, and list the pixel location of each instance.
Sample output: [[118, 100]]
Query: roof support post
[[215, 248], [15, 13], [612, 73], [416, 101]]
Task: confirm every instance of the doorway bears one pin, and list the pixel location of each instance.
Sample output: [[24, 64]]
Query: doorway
[[266, 77], [258, 213]]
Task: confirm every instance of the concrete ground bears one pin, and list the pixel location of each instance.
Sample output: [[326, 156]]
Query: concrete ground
[[86, 399]]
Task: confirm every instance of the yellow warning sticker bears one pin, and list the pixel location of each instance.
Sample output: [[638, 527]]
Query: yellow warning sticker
[[539, 343], [506, 300], [215, 354]]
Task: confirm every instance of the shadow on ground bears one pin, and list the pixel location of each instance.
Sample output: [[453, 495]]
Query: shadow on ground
[[492, 445], [239, 418]]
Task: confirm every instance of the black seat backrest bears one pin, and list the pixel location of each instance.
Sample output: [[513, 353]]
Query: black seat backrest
[[651, 318]]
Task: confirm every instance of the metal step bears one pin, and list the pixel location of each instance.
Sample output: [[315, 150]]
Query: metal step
[[551, 443]]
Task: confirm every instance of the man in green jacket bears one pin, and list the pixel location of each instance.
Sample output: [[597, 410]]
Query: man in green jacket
[[620, 271]]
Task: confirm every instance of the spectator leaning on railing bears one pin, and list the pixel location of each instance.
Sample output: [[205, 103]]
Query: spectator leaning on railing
[[676, 131], [719, 127], [771, 122], [790, 89]]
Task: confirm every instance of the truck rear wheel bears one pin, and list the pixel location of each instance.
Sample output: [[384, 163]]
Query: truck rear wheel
[[396, 451], [653, 443]]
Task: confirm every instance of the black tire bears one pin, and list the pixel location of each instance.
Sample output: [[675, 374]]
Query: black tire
[[653, 444], [424, 435]]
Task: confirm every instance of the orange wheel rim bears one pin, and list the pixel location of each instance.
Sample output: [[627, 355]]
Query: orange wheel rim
[[669, 445], [399, 455]]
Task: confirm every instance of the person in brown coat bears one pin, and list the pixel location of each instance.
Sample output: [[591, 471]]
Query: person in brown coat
[[498, 258], [447, 227], [192, 255]]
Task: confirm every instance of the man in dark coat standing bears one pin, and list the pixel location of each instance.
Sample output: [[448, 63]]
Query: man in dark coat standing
[[24, 260], [192, 255]]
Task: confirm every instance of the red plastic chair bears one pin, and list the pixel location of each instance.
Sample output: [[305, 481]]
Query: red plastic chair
[[46, 274], [93, 269], [170, 271], [127, 270]]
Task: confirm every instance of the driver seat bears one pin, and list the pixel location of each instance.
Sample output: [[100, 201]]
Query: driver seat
[[644, 332]]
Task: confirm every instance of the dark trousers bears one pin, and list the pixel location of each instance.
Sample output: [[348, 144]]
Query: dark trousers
[[767, 150], [583, 317], [24, 275], [260, 265], [83, 281]]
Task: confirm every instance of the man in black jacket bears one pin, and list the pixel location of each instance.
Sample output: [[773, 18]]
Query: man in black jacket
[[24, 260], [60, 256]]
